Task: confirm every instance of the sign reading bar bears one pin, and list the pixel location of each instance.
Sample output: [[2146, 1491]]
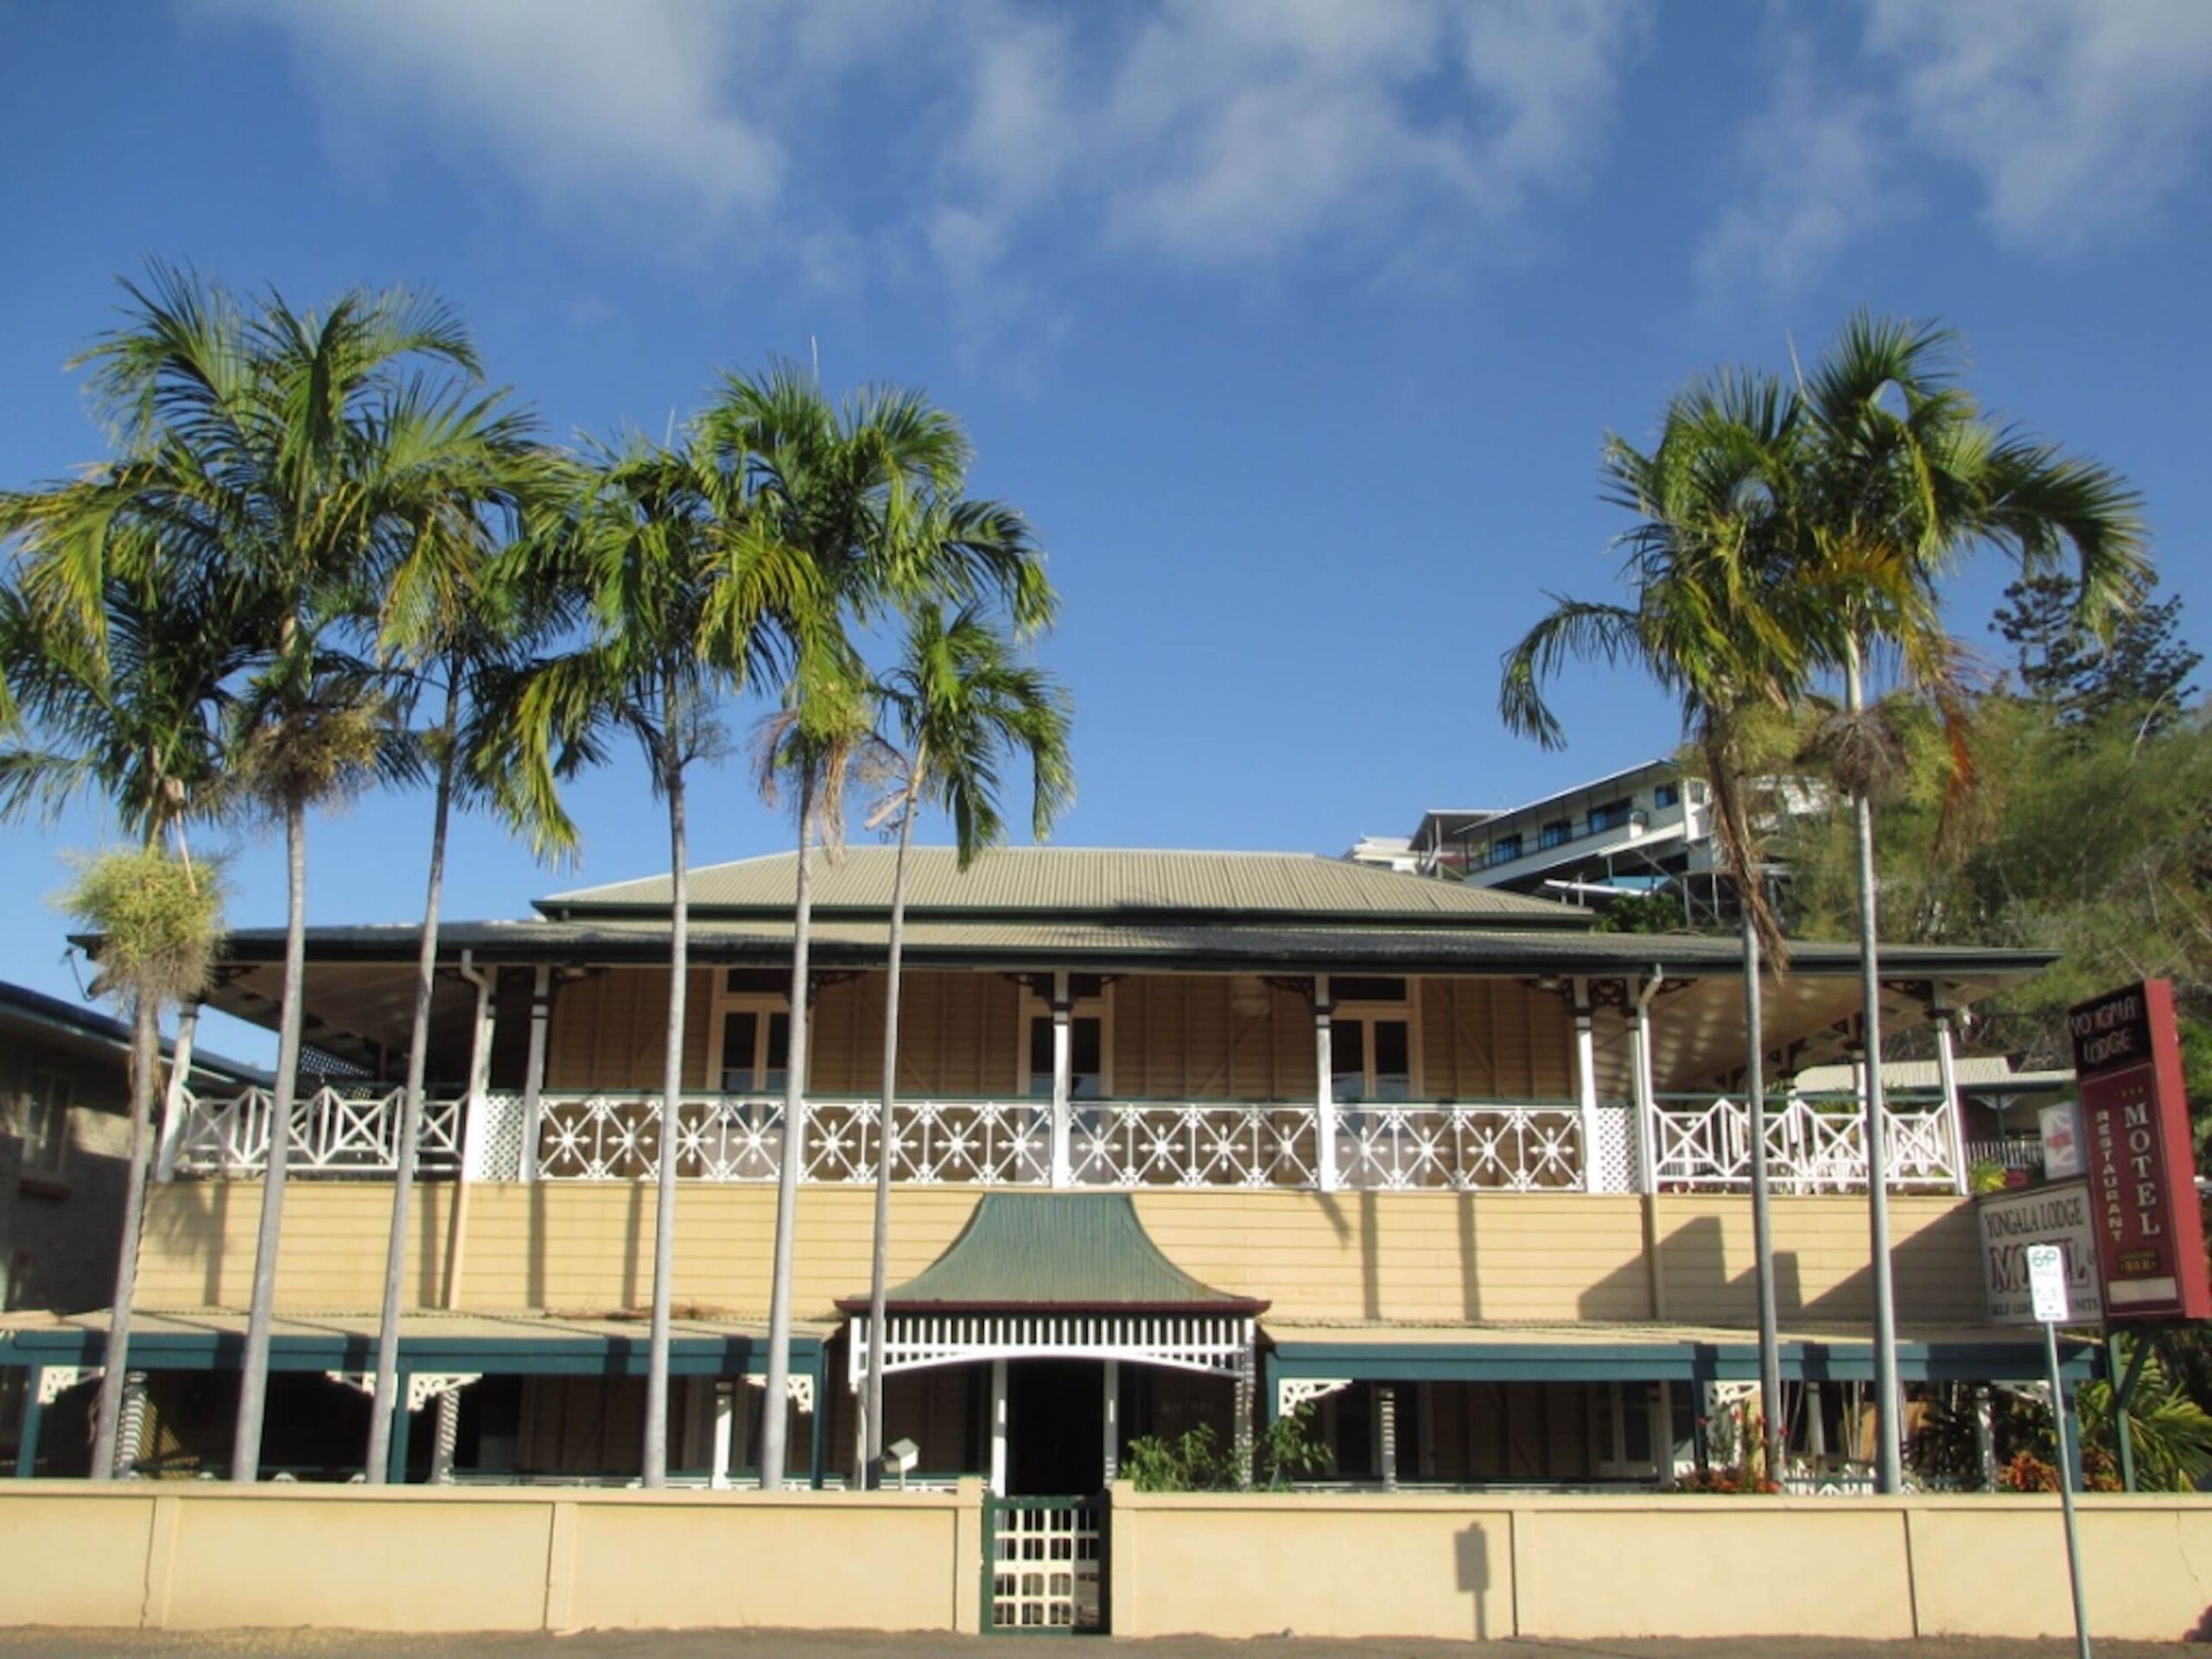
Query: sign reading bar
[[2136, 1147], [2013, 1222]]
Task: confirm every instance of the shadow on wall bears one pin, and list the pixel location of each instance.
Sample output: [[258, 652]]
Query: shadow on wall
[[1934, 1268], [1470, 1553]]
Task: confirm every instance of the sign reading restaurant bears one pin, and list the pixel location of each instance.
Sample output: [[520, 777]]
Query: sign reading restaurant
[[2011, 1222], [2136, 1150]]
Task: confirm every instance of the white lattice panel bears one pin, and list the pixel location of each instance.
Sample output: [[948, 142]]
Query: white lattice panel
[[1045, 1566], [1616, 1149]]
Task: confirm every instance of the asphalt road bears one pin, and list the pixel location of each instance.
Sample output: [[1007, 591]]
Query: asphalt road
[[760, 1644]]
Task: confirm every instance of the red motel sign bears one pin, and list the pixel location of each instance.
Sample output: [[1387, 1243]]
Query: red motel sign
[[2136, 1150]]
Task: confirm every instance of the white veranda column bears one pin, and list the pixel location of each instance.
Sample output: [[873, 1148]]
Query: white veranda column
[[1947, 1070], [1647, 1100], [726, 1401], [533, 1080], [1324, 1104], [476, 1149], [998, 1428], [1586, 1082], [176, 1100], [1062, 1082], [1112, 1423]]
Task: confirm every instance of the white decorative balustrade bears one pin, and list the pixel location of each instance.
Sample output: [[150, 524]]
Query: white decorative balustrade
[[1525, 1148], [335, 1130], [1814, 1144], [1199, 1143]]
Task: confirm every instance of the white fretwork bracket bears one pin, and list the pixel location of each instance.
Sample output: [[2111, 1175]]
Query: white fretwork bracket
[[423, 1386], [1291, 1392], [54, 1381], [799, 1389]]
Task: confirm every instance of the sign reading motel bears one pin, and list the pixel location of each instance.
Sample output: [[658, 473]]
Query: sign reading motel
[[2011, 1222], [2136, 1151]]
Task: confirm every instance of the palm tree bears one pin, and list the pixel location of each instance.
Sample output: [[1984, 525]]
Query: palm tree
[[869, 493], [681, 600], [136, 719], [1897, 477], [269, 449], [959, 703], [1714, 619], [452, 610]]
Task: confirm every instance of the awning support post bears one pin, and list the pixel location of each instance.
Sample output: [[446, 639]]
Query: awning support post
[[818, 1423], [34, 1414], [403, 1422], [1325, 1105]]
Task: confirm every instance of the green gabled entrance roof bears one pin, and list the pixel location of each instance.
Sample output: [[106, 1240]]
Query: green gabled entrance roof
[[1076, 1250]]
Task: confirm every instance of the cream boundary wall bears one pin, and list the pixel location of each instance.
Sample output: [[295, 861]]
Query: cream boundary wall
[[1410, 1565], [1435, 1257], [187, 1557]]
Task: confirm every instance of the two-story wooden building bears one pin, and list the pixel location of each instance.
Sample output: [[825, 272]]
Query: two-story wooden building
[[1181, 1138]]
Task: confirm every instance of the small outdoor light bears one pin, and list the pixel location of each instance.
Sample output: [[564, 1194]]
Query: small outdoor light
[[901, 1455]]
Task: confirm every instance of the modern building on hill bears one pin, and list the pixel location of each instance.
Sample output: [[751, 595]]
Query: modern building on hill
[[1182, 1139]]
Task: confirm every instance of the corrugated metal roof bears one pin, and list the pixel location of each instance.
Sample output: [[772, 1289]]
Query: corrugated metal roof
[[1056, 1250], [1040, 881], [1252, 946]]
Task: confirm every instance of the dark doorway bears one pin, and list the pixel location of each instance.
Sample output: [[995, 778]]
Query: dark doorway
[[1055, 1427]]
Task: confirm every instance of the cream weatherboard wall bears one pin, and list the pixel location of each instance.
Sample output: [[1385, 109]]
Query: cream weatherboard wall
[[1427, 1256], [1169, 1036]]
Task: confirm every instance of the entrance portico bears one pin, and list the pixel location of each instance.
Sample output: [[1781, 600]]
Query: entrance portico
[[1055, 1294]]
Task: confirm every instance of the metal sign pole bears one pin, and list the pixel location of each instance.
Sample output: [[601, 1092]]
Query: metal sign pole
[[2047, 1282]]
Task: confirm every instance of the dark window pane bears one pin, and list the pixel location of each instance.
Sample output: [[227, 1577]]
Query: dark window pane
[[740, 1029], [1085, 1077], [774, 1074], [1040, 1055], [1083, 987], [1394, 1077], [764, 981], [1347, 1060], [1359, 988]]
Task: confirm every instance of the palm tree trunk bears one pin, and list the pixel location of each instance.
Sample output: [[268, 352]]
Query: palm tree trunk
[[878, 1259], [1761, 1198], [145, 1064], [253, 1371], [387, 1398], [672, 1103], [776, 1423], [1889, 1472]]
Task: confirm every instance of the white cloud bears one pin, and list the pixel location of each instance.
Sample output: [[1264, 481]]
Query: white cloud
[[579, 99], [1214, 133], [2077, 117], [1816, 178], [2075, 120]]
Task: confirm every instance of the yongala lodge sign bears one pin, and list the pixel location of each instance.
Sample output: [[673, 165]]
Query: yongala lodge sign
[[2135, 1141]]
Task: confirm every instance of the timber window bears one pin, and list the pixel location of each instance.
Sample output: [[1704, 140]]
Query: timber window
[[755, 1050], [1086, 1056], [45, 1125]]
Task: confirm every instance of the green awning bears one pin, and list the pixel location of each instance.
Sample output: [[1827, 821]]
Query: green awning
[[1074, 1250]]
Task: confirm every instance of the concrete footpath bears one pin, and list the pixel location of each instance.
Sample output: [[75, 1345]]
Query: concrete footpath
[[815, 1645]]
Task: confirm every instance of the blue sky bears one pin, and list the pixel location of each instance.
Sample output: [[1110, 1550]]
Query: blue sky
[[1295, 327]]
